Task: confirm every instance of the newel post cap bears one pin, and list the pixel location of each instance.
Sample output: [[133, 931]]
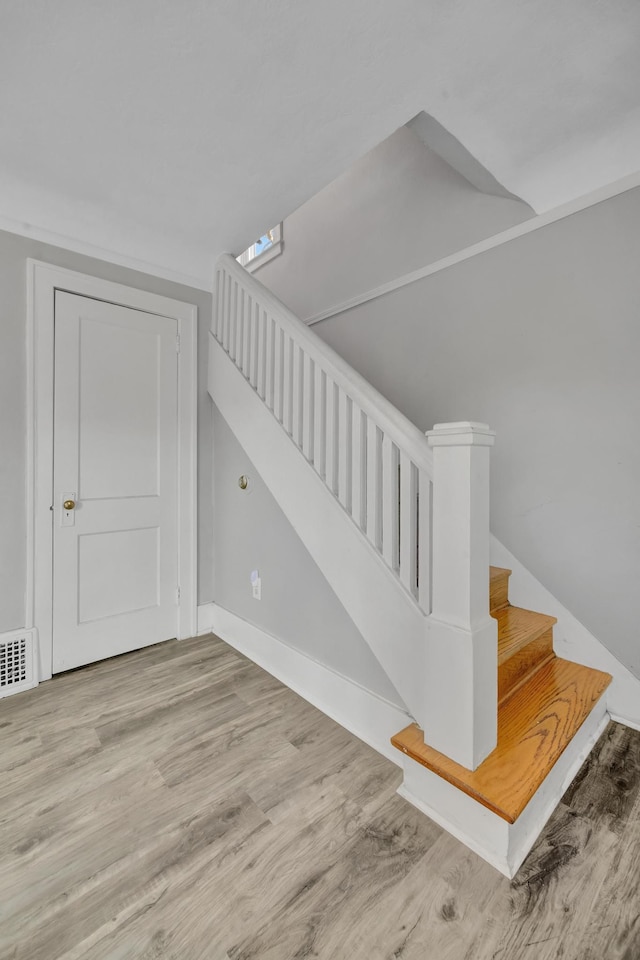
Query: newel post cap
[[465, 433]]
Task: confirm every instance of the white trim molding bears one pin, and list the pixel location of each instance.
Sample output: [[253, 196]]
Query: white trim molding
[[85, 249], [205, 618], [43, 279], [368, 716], [527, 226]]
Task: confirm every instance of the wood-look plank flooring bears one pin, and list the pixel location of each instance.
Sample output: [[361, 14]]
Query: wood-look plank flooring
[[180, 803]]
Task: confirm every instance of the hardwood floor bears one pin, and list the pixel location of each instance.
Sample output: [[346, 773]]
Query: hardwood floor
[[179, 803]]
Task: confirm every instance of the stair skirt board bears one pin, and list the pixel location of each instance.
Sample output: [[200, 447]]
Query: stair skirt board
[[368, 716], [501, 844]]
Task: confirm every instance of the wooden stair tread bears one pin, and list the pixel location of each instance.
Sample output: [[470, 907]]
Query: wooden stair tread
[[518, 627], [535, 725], [495, 573]]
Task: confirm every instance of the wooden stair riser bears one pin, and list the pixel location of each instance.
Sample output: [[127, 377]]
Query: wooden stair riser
[[498, 588], [525, 638], [518, 627], [517, 668], [525, 642]]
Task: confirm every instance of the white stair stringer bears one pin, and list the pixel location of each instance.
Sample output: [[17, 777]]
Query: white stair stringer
[[387, 616]]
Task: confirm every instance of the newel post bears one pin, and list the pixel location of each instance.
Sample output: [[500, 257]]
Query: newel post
[[460, 717]]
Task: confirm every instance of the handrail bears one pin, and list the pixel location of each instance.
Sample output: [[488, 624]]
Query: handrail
[[388, 417]]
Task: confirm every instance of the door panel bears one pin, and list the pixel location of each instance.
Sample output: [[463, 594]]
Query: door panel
[[126, 417], [115, 456], [106, 589]]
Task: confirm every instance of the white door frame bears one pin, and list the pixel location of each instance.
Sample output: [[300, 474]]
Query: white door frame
[[43, 279]]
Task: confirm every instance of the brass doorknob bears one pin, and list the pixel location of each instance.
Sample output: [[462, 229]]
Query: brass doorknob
[[69, 504], [243, 482]]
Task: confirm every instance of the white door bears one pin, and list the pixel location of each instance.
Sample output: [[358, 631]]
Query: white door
[[115, 555]]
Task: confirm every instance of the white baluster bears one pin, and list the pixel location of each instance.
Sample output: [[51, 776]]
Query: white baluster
[[358, 466], [331, 451], [425, 493], [231, 318], [217, 324], [270, 358], [297, 387], [344, 455], [261, 323], [245, 361], [226, 317], [236, 310], [308, 407], [287, 398], [408, 523], [390, 502], [240, 333], [374, 484], [278, 382], [320, 422], [255, 345], [243, 357]]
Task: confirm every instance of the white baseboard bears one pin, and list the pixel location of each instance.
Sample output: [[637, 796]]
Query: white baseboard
[[205, 618], [363, 713], [571, 640], [625, 721]]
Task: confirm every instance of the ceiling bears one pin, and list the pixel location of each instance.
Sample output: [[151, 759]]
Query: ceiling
[[171, 130]]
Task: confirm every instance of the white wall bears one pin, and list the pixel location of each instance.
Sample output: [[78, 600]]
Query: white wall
[[539, 338], [14, 252], [397, 209], [298, 606]]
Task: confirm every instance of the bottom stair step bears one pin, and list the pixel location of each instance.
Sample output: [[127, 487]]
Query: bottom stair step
[[535, 725]]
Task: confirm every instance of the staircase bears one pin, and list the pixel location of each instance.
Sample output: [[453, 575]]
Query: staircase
[[398, 523]]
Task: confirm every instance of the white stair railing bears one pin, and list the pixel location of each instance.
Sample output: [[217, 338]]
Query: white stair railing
[[374, 461], [422, 503]]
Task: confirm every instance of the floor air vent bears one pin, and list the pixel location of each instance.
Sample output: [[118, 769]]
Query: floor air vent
[[17, 662]]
